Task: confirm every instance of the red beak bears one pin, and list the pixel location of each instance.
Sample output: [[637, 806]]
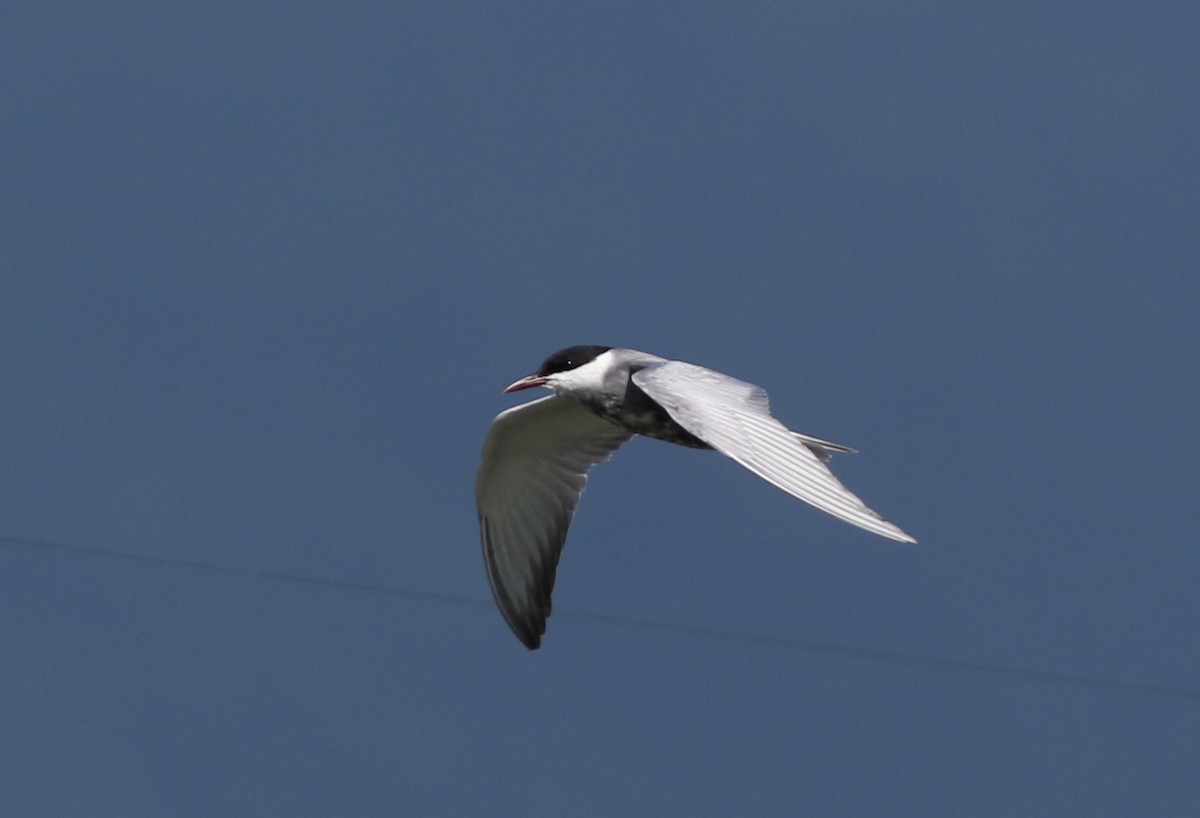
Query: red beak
[[528, 382]]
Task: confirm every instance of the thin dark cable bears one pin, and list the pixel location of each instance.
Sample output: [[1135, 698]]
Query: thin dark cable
[[240, 571], [694, 631]]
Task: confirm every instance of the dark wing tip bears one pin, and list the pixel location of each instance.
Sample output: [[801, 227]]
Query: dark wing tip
[[521, 619], [525, 625]]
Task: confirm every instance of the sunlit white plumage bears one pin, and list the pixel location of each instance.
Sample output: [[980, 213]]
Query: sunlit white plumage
[[537, 455]]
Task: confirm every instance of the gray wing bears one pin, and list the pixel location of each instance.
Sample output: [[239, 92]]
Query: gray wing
[[734, 417], [534, 467]]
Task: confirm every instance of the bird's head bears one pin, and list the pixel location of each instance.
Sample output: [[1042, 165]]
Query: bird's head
[[566, 371]]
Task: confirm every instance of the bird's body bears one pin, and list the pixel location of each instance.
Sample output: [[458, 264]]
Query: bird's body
[[537, 455], [620, 400]]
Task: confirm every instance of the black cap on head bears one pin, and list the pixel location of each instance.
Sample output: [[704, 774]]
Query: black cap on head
[[570, 358]]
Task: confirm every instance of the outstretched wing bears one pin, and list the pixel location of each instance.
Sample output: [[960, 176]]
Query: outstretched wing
[[534, 467], [734, 417]]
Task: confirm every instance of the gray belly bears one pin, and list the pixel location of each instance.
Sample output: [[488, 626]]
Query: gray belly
[[641, 414]]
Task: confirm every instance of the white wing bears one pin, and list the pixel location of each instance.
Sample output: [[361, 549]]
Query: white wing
[[535, 463], [734, 418]]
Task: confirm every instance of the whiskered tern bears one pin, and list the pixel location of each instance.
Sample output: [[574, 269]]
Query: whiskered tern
[[537, 455]]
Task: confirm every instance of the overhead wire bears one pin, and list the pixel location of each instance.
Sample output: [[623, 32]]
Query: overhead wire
[[691, 631]]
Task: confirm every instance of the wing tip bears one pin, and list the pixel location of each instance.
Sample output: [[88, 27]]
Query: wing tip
[[525, 625], [894, 532]]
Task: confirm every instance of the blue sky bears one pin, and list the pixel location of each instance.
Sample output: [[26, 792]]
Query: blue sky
[[264, 269]]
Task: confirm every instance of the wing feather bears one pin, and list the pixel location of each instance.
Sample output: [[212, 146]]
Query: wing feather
[[533, 471], [734, 418]]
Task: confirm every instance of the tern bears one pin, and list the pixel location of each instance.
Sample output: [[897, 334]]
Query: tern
[[537, 455]]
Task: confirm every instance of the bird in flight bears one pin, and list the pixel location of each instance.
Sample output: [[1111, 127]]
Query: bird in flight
[[537, 455]]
